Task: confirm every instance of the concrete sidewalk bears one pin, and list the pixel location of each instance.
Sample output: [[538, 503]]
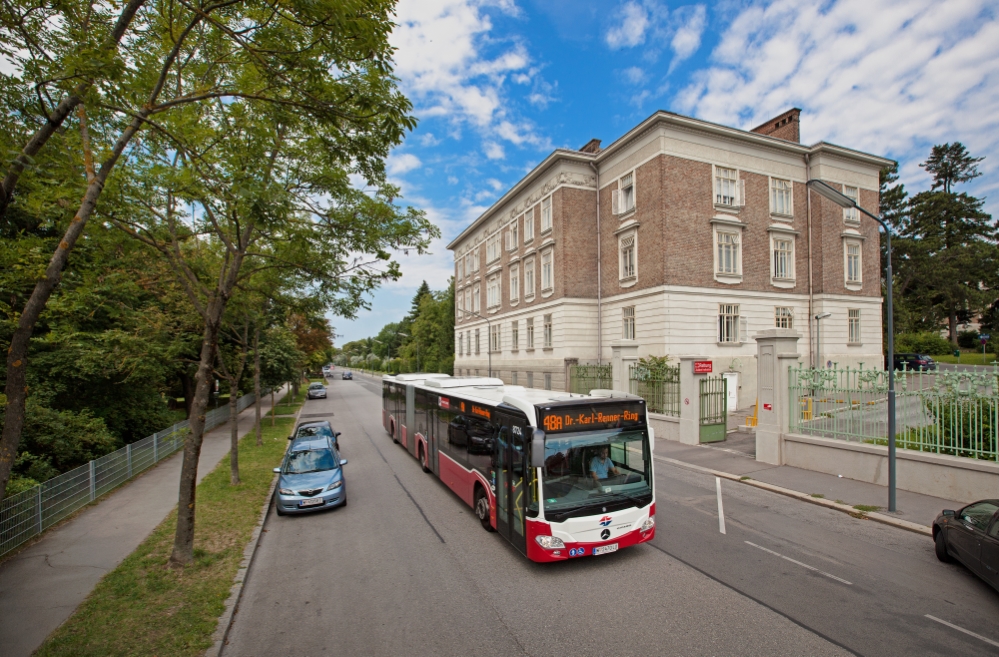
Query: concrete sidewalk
[[41, 586], [737, 456]]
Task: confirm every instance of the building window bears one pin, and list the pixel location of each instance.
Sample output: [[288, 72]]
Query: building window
[[852, 215], [853, 263], [513, 236], [461, 344], [459, 269], [493, 292], [548, 331], [728, 253], [461, 304], [528, 225], [494, 338], [468, 343], [623, 198], [783, 317], [475, 300], [628, 258], [548, 380], [476, 342], [529, 278], [513, 378], [780, 197], [530, 334], [853, 320], [468, 299], [728, 187], [514, 283], [475, 260], [515, 335], [530, 379], [783, 258], [493, 247], [546, 214], [547, 273], [728, 322], [629, 323]]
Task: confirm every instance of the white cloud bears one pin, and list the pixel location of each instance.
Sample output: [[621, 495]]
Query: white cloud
[[634, 75], [631, 30], [401, 163], [687, 36], [890, 77], [494, 151], [495, 184]]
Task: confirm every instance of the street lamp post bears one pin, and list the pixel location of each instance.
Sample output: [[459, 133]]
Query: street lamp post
[[489, 327], [844, 201], [818, 337]]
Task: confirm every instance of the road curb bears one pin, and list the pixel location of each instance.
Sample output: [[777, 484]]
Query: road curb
[[804, 497], [236, 592]]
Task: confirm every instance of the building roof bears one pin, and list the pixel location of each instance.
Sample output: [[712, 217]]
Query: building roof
[[667, 118]]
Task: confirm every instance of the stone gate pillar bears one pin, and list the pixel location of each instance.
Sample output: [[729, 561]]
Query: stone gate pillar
[[624, 354], [690, 399], [776, 350]]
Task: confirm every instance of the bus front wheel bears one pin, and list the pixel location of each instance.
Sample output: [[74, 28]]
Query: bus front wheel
[[482, 509]]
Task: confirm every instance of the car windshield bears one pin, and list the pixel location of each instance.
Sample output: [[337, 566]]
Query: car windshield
[[313, 460], [316, 386], [595, 468], [315, 431]]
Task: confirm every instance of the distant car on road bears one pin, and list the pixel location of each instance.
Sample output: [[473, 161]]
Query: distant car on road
[[311, 478], [316, 391], [971, 535], [347, 376], [915, 362], [315, 429]]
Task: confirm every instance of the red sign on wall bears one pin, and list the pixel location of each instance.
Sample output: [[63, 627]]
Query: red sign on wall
[[768, 407], [702, 367]]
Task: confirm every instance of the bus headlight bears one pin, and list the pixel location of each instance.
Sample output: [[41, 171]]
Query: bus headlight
[[550, 542], [648, 524]]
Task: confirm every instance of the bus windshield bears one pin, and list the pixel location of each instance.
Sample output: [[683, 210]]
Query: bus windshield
[[583, 471]]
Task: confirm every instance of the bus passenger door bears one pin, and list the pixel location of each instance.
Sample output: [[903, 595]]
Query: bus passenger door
[[511, 470]]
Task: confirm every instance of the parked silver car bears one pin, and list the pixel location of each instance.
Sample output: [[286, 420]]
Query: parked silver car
[[311, 478], [317, 391]]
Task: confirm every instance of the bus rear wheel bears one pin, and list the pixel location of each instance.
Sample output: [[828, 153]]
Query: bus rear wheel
[[482, 509], [423, 459]]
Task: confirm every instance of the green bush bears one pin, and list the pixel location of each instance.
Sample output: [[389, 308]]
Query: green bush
[[968, 340], [922, 343]]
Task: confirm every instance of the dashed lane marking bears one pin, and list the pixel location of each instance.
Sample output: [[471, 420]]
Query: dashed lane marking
[[803, 565], [961, 629]]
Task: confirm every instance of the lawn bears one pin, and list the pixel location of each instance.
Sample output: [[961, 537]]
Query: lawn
[[967, 358], [143, 607]]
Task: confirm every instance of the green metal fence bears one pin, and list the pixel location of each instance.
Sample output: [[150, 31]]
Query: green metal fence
[[660, 388], [713, 400], [584, 378], [951, 412]]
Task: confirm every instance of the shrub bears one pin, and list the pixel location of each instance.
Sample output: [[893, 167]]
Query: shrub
[[968, 340], [922, 343]]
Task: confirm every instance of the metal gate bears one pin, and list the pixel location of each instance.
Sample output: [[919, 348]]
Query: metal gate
[[714, 411]]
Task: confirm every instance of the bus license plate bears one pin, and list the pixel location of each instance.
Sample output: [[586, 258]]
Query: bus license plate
[[316, 501], [605, 549]]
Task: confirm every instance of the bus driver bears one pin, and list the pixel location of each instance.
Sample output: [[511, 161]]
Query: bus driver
[[601, 467]]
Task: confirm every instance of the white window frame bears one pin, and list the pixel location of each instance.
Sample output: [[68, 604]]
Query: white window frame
[[782, 261], [459, 268], [857, 280], [514, 283], [468, 342], [547, 331], [515, 335], [461, 344], [784, 317], [628, 267], [514, 235], [547, 271], [528, 219], [476, 299], [461, 304], [628, 323], [468, 299], [530, 285], [853, 326], [623, 198], [851, 215], [781, 197], [729, 325], [734, 276], [493, 248], [477, 342], [495, 339], [530, 333], [546, 214], [727, 191], [548, 380], [475, 260], [493, 292]]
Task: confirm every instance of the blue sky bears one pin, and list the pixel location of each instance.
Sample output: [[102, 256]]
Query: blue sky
[[498, 84]]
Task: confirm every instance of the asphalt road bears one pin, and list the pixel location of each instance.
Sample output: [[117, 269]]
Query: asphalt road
[[406, 570]]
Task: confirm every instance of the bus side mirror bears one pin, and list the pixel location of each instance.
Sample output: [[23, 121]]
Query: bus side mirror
[[537, 448]]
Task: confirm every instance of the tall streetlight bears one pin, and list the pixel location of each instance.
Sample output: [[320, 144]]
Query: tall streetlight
[[489, 326], [826, 191], [818, 337]]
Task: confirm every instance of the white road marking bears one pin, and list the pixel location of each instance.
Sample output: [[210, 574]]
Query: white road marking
[[803, 565], [721, 511], [961, 629]]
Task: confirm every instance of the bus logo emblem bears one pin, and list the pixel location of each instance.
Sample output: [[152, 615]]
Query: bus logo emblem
[[605, 521]]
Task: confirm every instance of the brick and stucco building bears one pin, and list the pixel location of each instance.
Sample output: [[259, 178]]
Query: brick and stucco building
[[682, 237]]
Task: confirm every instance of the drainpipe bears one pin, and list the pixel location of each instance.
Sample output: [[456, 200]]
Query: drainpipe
[[808, 222], [600, 279]]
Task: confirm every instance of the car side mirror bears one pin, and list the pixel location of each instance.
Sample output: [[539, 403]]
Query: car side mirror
[[950, 513], [336, 434], [277, 470], [537, 448], [343, 461], [291, 437]]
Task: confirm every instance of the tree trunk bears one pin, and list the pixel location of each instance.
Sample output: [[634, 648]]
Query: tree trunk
[[952, 325], [233, 432], [187, 384], [256, 385], [273, 409], [183, 543]]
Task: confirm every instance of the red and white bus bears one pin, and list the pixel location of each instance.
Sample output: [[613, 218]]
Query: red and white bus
[[559, 475]]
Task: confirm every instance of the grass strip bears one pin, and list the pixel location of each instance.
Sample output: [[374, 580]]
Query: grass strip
[[143, 607]]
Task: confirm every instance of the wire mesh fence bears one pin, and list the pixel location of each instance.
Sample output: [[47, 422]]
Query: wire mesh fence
[[584, 378], [31, 512], [659, 387], [952, 412]]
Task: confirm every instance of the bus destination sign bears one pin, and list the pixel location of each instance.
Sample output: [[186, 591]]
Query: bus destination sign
[[590, 418]]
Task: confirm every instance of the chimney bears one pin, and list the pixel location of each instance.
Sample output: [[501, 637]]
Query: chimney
[[592, 146], [784, 126]]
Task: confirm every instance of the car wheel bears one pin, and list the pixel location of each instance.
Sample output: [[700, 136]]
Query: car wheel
[[277, 508], [344, 502], [941, 547], [482, 509]]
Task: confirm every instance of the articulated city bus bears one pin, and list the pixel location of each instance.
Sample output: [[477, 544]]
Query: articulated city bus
[[559, 475]]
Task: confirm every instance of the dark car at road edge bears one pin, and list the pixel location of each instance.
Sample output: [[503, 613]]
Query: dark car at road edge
[[971, 536]]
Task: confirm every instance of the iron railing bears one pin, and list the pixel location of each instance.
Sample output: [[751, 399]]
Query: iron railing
[[31, 512], [953, 412], [584, 378], [660, 388]]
